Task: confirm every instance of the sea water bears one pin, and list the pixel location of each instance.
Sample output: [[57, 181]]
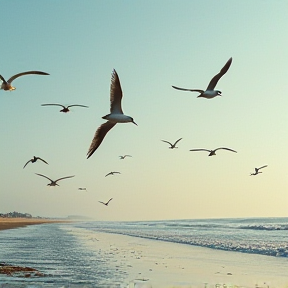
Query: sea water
[[266, 236], [62, 252]]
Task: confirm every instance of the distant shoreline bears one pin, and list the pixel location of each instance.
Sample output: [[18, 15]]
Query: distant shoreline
[[11, 223]]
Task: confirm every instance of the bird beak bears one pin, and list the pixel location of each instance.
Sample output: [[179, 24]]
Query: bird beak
[[134, 123]]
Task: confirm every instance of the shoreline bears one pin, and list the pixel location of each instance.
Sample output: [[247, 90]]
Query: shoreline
[[146, 263], [164, 264], [12, 223]]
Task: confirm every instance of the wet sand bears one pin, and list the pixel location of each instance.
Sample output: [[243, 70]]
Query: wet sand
[[10, 223], [165, 265]]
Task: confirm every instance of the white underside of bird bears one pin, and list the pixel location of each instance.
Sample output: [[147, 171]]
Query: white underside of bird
[[209, 94], [117, 118]]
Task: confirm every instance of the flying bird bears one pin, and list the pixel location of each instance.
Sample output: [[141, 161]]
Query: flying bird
[[213, 152], [54, 183], [34, 159], [112, 173], [116, 114], [106, 202], [82, 189], [257, 170], [65, 108], [172, 146], [210, 92], [124, 156], [7, 86]]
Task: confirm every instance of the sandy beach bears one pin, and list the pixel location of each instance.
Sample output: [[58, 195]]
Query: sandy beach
[[10, 223]]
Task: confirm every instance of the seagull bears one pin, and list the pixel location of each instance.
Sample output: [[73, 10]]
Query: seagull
[[82, 189], [33, 160], [116, 114], [112, 173], [54, 183], [106, 202], [65, 108], [124, 156], [6, 85], [172, 146], [210, 92], [257, 170], [213, 152]]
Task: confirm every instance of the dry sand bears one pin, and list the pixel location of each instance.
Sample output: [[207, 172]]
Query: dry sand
[[10, 223]]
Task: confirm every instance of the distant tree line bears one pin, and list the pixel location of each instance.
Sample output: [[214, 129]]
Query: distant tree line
[[15, 215]]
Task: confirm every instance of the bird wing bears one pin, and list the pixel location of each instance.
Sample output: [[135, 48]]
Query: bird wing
[[110, 173], [262, 167], [191, 90], [115, 94], [127, 156], [1, 77], [167, 142], [42, 160], [26, 73], [44, 177], [216, 78], [225, 149], [109, 201], [200, 150], [27, 163], [177, 141], [116, 172], [77, 105], [102, 202], [64, 178], [99, 136], [53, 105]]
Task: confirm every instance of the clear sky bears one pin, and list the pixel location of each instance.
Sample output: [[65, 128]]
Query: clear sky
[[152, 45]]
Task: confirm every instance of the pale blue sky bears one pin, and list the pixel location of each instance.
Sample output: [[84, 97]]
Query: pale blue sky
[[152, 45]]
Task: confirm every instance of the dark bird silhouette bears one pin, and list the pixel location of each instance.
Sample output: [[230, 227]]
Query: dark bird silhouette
[[82, 189], [34, 159], [65, 108], [106, 202], [257, 170], [112, 173], [116, 114], [7, 86], [124, 156], [213, 152], [210, 92], [54, 183], [172, 146]]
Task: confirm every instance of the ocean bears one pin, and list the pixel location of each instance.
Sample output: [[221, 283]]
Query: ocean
[[63, 252], [267, 236]]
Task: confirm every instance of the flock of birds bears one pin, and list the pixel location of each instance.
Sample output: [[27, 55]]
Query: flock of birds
[[116, 115]]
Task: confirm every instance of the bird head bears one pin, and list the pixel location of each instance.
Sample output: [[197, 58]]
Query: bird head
[[132, 120], [219, 93]]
